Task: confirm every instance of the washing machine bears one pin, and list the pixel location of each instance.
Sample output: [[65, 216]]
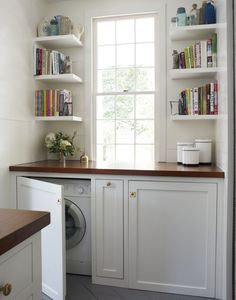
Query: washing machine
[[77, 196]]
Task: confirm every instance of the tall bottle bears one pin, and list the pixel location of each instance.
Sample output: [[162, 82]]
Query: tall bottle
[[210, 12]]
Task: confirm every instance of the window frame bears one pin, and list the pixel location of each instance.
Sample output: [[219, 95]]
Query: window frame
[[160, 82]]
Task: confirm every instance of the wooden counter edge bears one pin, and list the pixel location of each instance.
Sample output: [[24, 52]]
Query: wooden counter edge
[[138, 172], [24, 232]]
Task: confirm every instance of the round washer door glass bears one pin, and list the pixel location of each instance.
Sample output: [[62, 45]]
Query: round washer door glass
[[75, 224]]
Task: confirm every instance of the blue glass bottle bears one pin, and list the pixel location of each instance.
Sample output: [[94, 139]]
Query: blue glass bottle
[[210, 13]]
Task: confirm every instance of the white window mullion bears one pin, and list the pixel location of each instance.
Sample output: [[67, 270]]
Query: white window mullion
[[141, 110]]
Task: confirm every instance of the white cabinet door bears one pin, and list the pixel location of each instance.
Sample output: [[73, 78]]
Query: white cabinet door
[[109, 226], [43, 196], [20, 267], [172, 237]]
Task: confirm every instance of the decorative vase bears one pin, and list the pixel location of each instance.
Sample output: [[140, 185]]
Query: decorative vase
[[62, 159]]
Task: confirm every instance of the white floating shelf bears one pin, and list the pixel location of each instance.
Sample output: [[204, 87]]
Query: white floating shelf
[[194, 32], [60, 118], [67, 78], [194, 117], [193, 73], [59, 41]]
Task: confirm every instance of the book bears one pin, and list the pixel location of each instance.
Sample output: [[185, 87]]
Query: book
[[214, 49], [209, 53], [195, 101], [215, 97], [187, 57], [197, 55], [212, 98], [203, 57]]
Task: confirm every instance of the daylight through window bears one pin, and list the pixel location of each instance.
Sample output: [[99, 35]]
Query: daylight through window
[[125, 88]]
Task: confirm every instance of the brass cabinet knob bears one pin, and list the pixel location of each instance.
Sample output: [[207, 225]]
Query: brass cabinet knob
[[6, 289], [109, 183]]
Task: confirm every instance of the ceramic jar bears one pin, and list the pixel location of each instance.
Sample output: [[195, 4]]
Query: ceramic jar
[[180, 146], [190, 156], [205, 147]]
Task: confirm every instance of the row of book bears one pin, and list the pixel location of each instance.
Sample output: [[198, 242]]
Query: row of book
[[55, 102], [49, 62], [202, 54], [199, 100]]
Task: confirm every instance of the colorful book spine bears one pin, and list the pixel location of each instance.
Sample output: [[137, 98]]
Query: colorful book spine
[[201, 100], [209, 53]]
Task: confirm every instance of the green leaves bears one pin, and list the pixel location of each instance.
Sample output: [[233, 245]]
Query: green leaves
[[60, 143]]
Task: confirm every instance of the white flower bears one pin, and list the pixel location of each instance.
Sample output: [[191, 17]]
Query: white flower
[[64, 144], [49, 139]]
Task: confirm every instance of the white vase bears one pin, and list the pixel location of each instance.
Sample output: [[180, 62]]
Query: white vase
[[62, 159]]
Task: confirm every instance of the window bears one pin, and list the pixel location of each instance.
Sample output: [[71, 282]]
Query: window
[[124, 81]]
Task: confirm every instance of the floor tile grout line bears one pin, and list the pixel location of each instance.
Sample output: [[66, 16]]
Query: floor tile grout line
[[88, 289]]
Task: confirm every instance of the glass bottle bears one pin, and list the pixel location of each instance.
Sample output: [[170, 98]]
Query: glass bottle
[[181, 16], [194, 15]]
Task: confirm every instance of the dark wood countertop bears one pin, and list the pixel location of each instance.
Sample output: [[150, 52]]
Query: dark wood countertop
[[17, 225], [158, 169]]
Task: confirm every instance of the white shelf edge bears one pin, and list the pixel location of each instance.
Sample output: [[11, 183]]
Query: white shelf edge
[[193, 117], [191, 32], [69, 40], [60, 118], [70, 78], [192, 72]]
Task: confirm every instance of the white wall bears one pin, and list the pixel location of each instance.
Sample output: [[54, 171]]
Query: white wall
[[81, 12], [20, 135]]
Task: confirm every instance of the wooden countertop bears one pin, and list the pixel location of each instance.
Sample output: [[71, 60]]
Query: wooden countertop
[[158, 169], [17, 225]]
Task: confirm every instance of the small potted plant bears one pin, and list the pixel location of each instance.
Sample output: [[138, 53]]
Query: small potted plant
[[61, 144]]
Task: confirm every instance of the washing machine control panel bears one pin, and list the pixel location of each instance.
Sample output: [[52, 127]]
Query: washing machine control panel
[[78, 188]]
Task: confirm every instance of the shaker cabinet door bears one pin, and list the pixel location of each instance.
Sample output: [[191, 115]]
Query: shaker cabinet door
[[43, 196], [172, 237], [109, 226]]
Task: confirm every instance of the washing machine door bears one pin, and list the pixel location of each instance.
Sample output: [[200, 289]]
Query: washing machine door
[[75, 224]]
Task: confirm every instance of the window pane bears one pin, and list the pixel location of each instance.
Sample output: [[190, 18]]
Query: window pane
[[105, 132], [145, 107], [125, 31], [145, 79], [125, 132], [125, 107], [125, 55], [105, 107], [125, 153], [145, 153], [106, 33], [105, 153], [125, 79], [106, 57], [145, 30], [106, 81], [145, 55], [145, 132]]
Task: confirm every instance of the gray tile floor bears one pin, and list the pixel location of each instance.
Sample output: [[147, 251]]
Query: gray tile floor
[[81, 288]]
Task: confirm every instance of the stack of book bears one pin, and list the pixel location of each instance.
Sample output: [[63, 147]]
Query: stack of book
[[202, 54], [48, 62], [199, 100], [49, 103]]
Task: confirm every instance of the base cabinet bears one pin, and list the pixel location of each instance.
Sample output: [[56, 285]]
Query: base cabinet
[[172, 237], [21, 268], [109, 227]]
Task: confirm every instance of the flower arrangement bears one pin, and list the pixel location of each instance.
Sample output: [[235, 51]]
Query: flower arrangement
[[60, 143]]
